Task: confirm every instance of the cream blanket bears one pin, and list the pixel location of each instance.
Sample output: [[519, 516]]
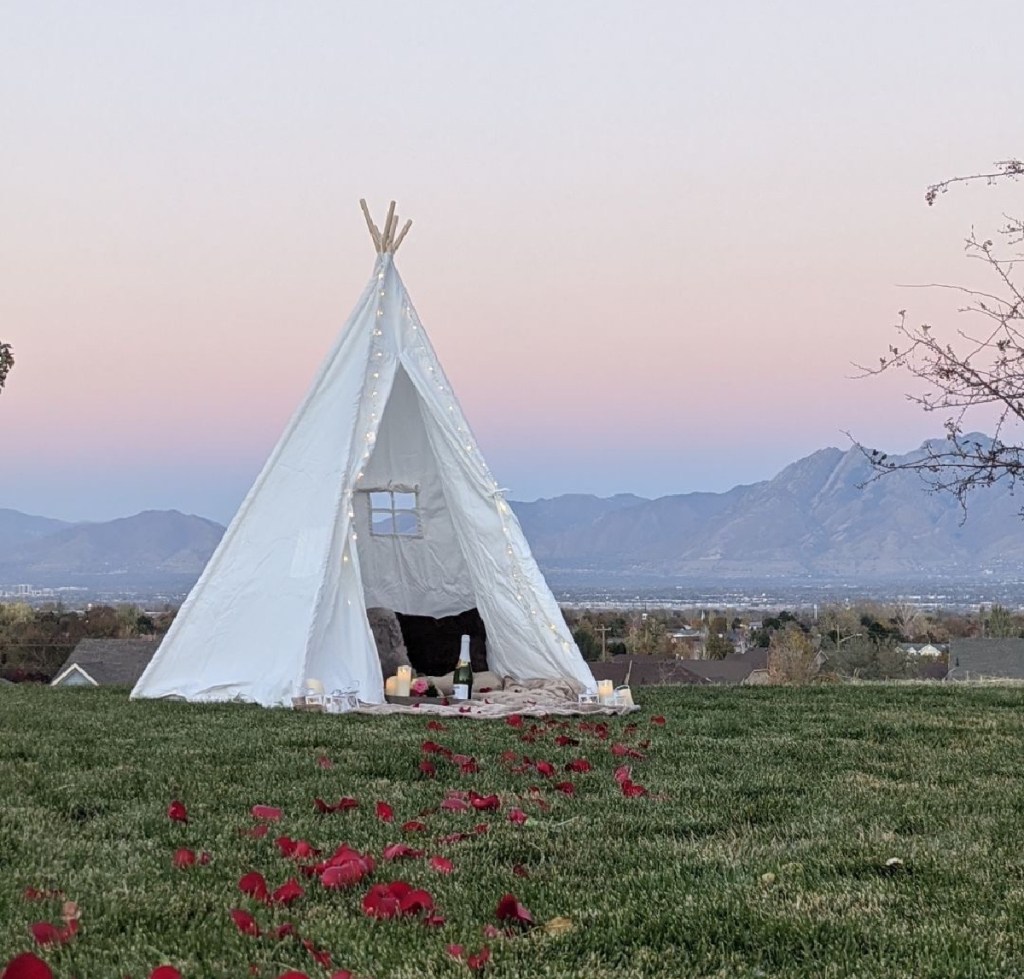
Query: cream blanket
[[532, 698]]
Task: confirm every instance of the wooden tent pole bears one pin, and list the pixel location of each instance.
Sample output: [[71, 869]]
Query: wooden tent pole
[[401, 236], [374, 232], [389, 226]]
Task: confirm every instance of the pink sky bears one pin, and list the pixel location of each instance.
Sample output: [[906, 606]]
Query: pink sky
[[649, 241]]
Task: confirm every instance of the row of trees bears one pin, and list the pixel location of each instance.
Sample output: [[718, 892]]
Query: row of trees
[[862, 640]]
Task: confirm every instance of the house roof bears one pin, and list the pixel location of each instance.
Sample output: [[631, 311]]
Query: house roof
[[734, 668], [971, 658], [645, 671], [111, 662]]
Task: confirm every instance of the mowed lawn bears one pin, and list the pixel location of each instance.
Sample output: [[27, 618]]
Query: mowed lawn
[[760, 848]]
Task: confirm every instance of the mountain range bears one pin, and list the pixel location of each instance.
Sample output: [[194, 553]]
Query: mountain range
[[821, 516]]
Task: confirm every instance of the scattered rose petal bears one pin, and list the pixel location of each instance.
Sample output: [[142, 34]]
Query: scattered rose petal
[[478, 960], [343, 874], [413, 826], [385, 813], [288, 892], [517, 816], [34, 894], [520, 871], [511, 910], [183, 858], [177, 813], [658, 719], [284, 931], [442, 865], [455, 951], [631, 790], [490, 931], [399, 851], [567, 787], [341, 805], [454, 805], [578, 765], [320, 956], [484, 802], [435, 726], [245, 922], [514, 720], [428, 768], [266, 814], [545, 768], [46, 933], [26, 966], [165, 972], [623, 773], [481, 828], [254, 885], [324, 762]]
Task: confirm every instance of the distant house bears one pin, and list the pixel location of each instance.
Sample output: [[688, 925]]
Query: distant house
[[922, 649], [975, 659], [646, 671], [750, 667], [106, 663]]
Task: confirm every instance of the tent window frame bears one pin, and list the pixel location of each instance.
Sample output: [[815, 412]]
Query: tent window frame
[[394, 511]]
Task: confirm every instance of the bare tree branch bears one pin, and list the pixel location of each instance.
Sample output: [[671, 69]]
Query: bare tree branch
[[6, 363], [973, 373]]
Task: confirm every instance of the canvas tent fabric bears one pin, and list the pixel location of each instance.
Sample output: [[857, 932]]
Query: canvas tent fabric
[[313, 545]]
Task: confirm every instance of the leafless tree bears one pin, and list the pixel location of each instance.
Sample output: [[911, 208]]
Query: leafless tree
[[6, 362], [970, 372]]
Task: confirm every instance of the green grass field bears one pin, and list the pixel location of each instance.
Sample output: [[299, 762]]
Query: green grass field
[[760, 849]]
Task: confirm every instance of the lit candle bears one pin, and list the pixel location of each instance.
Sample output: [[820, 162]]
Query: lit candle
[[391, 686], [314, 686], [404, 681], [604, 691]]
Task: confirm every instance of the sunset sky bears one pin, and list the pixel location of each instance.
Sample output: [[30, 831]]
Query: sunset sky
[[650, 239]]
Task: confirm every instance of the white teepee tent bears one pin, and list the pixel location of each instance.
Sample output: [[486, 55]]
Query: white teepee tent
[[376, 495]]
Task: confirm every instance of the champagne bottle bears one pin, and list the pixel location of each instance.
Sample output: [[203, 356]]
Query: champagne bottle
[[462, 681]]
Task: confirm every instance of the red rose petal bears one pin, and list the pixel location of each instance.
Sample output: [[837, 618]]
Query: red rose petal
[[256, 832], [266, 814], [480, 959], [455, 951], [385, 813], [435, 726], [177, 812], [441, 864], [567, 787], [324, 762], [254, 885], [520, 871], [416, 901], [413, 826], [454, 805], [165, 972], [343, 874], [47, 934], [658, 719], [545, 768], [399, 851], [245, 922], [517, 816], [26, 966], [428, 768], [292, 974], [288, 892], [183, 858], [509, 909], [514, 720], [578, 765]]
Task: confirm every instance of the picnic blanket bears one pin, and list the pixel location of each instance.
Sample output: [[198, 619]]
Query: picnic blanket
[[531, 698]]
